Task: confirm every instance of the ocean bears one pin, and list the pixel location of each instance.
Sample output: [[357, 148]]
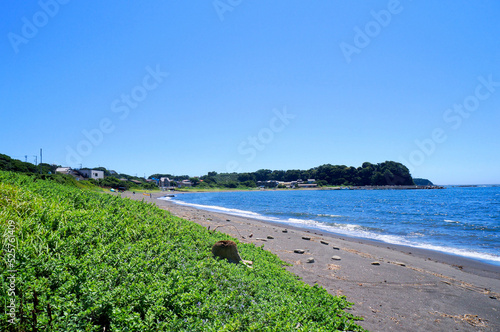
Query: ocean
[[463, 221]]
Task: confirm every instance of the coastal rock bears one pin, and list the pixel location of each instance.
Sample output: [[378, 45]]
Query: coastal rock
[[336, 248], [306, 238], [323, 242], [285, 231], [299, 251], [310, 260], [399, 263], [260, 239], [270, 237], [336, 258], [375, 263]]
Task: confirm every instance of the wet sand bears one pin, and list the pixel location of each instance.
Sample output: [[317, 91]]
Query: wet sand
[[395, 288]]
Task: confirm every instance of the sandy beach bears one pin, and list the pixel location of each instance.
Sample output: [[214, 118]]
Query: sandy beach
[[395, 288]]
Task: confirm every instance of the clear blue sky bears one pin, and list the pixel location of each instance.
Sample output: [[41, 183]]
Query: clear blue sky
[[188, 87]]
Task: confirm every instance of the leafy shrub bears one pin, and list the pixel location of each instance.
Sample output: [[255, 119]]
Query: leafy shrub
[[86, 261]]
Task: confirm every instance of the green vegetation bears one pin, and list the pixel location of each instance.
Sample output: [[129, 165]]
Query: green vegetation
[[386, 173], [46, 171], [87, 261], [422, 182], [14, 165]]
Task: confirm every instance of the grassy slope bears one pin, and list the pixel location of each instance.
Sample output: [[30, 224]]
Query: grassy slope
[[95, 260]]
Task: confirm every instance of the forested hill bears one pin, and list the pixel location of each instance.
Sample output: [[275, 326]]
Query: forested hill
[[13, 165], [386, 173]]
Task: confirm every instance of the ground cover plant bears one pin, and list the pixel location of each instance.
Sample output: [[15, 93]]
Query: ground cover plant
[[78, 260]]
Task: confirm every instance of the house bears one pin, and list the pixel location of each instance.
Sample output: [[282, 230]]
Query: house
[[92, 174], [268, 183], [70, 171], [308, 185], [291, 184], [63, 170], [184, 183], [164, 182]]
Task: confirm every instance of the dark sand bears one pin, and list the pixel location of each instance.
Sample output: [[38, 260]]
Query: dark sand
[[411, 290]]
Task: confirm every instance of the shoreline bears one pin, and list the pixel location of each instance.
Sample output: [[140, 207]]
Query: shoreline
[[410, 289], [477, 264]]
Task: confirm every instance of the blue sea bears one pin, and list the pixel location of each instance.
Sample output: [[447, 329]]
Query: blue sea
[[456, 220]]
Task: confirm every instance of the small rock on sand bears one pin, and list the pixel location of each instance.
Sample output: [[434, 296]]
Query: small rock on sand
[[306, 238], [336, 248], [270, 237], [310, 260], [336, 258], [299, 251], [375, 263], [323, 242], [260, 239], [285, 231]]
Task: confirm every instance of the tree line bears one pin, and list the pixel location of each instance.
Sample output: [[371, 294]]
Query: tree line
[[381, 174]]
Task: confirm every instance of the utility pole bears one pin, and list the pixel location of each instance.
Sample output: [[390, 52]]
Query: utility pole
[[35, 159], [40, 160]]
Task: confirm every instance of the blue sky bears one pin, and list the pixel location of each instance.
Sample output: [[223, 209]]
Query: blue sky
[[188, 87]]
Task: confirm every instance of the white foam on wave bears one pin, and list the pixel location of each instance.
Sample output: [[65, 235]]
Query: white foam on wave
[[241, 213], [330, 215], [451, 221], [346, 229]]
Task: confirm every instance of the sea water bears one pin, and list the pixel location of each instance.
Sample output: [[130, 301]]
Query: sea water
[[456, 220]]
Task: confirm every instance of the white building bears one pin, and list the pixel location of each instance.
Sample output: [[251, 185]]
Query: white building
[[92, 174]]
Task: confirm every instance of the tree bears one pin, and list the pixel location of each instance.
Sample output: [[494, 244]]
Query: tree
[[263, 174], [377, 179], [194, 181]]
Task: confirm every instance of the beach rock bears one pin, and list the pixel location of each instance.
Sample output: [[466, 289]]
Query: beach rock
[[299, 251], [323, 242], [285, 231], [336, 248], [310, 260], [306, 238], [336, 258], [228, 219], [399, 263], [260, 239], [375, 263], [270, 237]]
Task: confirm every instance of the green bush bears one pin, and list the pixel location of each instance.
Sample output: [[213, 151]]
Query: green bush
[[86, 261]]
